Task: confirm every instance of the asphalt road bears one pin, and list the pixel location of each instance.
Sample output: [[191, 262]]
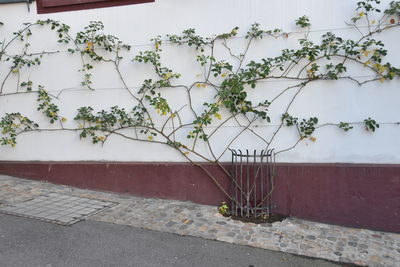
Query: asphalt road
[[27, 242]]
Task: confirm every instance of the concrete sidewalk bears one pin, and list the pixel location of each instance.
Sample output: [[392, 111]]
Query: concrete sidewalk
[[359, 246]]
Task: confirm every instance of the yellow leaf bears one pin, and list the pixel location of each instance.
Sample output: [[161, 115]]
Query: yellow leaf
[[380, 68], [223, 74], [185, 153], [101, 138], [150, 138], [366, 53], [218, 116], [63, 119], [382, 79], [89, 46], [361, 14], [167, 75], [313, 139]]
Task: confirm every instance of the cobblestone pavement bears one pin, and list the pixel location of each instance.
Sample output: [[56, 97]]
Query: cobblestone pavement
[[359, 246]]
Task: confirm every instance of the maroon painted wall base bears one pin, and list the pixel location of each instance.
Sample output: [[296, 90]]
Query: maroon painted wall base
[[358, 195]]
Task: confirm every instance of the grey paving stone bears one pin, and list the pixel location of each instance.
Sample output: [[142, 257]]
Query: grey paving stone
[[65, 219], [43, 214], [55, 206], [50, 217], [68, 206]]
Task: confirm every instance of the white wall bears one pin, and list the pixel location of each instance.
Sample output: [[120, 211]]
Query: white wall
[[136, 24]]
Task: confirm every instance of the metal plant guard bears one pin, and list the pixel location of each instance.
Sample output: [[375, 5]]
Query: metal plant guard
[[252, 177]]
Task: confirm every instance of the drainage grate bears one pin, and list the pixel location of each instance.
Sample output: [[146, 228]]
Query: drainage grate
[[57, 208]]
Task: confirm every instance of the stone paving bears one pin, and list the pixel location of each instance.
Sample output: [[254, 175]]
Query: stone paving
[[57, 208], [350, 245]]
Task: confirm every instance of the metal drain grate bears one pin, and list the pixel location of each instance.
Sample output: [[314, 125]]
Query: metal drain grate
[[57, 208]]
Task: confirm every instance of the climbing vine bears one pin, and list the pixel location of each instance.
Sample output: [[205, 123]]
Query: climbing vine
[[232, 81]]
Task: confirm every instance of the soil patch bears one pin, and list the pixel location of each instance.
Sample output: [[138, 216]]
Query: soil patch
[[274, 217]]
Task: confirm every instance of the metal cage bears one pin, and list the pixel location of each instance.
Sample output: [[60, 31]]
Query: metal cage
[[252, 177]]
